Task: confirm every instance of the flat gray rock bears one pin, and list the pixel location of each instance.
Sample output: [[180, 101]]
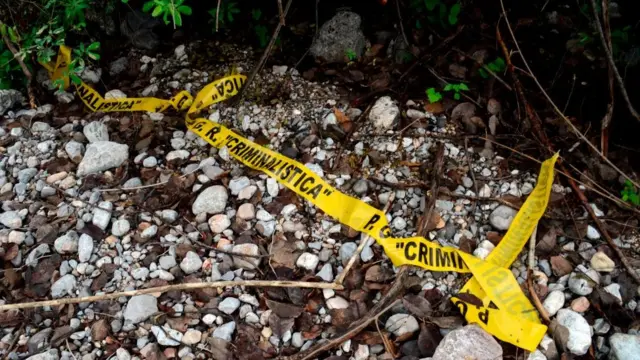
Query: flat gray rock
[[212, 200], [624, 346], [101, 156], [139, 308]]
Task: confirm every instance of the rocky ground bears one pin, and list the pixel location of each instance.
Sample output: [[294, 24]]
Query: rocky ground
[[95, 203]]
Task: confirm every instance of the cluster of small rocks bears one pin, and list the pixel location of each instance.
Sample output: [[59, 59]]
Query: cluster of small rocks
[[92, 244]]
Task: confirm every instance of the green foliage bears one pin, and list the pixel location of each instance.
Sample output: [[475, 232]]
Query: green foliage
[[39, 39], [497, 66], [456, 89], [260, 30], [630, 193], [437, 12], [226, 14], [350, 54], [171, 10], [433, 95]]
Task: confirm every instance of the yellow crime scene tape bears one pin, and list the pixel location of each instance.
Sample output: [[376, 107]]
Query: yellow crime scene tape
[[505, 311]]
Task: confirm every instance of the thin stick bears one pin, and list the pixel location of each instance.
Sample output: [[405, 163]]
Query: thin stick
[[280, 12], [404, 35], [263, 58], [25, 69], [363, 243], [173, 287], [471, 172], [608, 116], [612, 63], [217, 14], [156, 184], [555, 107], [536, 301], [423, 222]]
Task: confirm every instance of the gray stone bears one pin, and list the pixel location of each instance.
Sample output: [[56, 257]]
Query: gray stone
[[225, 331], [11, 219], [9, 98], [51, 354], [191, 263], [468, 342], [326, 273], [580, 334], [140, 308], [25, 175], [502, 217], [624, 346], [63, 286], [140, 273], [120, 227], [236, 185], [131, 183], [101, 156], [400, 324], [96, 131], [167, 262], [554, 302], [115, 94], [580, 284], [307, 261], [338, 37], [212, 200], [166, 336], [85, 248], [384, 114], [360, 187], [246, 262], [346, 251], [36, 253], [101, 218], [39, 341], [67, 243], [177, 155], [212, 172], [229, 305], [74, 150]]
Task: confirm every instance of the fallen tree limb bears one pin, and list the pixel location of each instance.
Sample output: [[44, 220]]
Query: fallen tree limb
[[173, 287]]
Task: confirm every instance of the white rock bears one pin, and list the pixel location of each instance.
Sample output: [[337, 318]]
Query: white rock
[[120, 227], [209, 319], [614, 289], [63, 287], [624, 346], [272, 187], [177, 155], [580, 284], [308, 261], [326, 273], [400, 324], [592, 233], [191, 337], [212, 200], [180, 52], [384, 114], [102, 155], [554, 302], [246, 262], [502, 217], [246, 211], [115, 94], [101, 218], [191, 263], [167, 262], [11, 219], [579, 331], [219, 223], [67, 243], [85, 248], [601, 262], [96, 131], [337, 302], [362, 352]]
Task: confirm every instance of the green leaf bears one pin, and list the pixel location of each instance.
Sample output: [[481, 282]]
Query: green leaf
[[94, 56], [13, 36], [157, 11], [125, 1], [147, 6], [185, 9], [93, 46], [449, 87], [453, 13], [483, 73], [431, 4], [463, 86], [75, 78], [456, 96], [178, 19]]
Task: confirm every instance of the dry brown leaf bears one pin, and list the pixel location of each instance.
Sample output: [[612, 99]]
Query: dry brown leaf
[[11, 252], [284, 310], [448, 322], [417, 305]]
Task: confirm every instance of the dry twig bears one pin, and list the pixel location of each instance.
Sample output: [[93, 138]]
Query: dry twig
[[173, 287], [264, 57], [425, 220], [532, 291], [404, 35]]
